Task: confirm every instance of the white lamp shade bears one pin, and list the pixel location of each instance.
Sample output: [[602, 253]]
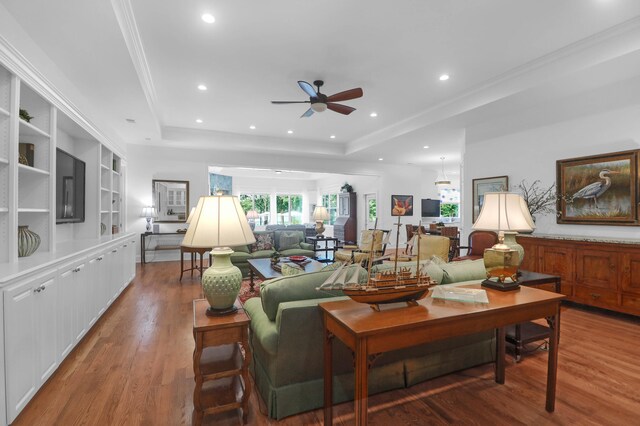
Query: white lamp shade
[[193, 209], [252, 214], [218, 221], [320, 213], [504, 211], [527, 214], [149, 212]]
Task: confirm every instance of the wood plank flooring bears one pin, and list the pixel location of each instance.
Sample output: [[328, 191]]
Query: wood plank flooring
[[135, 368]]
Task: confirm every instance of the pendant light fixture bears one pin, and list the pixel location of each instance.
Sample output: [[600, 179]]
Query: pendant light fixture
[[442, 179]]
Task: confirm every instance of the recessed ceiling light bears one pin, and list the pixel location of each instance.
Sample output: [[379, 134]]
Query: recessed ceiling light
[[278, 172], [252, 127], [426, 147], [373, 114], [380, 159], [332, 136], [130, 120], [208, 18], [290, 131], [202, 87], [198, 120], [444, 77]]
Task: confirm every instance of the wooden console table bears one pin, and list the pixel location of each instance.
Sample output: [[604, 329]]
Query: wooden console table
[[326, 249], [368, 333], [143, 248], [217, 357]]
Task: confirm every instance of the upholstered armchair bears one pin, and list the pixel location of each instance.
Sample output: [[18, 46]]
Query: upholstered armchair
[[430, 245], [478, 241], [362, 251]]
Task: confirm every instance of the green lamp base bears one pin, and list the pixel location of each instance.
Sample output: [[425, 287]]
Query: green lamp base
[[221, 283]]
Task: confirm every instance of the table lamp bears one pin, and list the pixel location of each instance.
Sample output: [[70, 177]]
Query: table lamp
[[506, 213], [193, 209], [150, 213], [320, 214], [252, 215], [219, 222]]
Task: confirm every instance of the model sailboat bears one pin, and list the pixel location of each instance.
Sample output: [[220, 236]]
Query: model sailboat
[[383, 287]]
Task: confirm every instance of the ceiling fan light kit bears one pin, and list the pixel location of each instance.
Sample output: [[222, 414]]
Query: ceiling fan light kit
[[321, 102]]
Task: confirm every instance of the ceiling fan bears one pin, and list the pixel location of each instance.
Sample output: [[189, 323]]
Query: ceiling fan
[[320, 102]]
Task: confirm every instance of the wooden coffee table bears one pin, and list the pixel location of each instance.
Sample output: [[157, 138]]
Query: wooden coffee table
[[368, 333], [262, 268]]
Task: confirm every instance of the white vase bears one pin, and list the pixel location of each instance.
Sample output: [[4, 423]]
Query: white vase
[[28, 241]]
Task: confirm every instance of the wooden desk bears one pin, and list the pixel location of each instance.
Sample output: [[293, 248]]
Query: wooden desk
[[217, 356], [143, 248], [368, 333]]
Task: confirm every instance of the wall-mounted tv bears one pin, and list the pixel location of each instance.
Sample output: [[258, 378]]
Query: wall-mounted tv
[[430, 208], [70, 176]]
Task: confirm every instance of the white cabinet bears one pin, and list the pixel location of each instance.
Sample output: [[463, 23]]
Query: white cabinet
[[94, 305], [30, 338], [72, 313]]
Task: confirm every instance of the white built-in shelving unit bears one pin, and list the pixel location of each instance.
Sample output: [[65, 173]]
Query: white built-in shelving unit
[[27, 192]]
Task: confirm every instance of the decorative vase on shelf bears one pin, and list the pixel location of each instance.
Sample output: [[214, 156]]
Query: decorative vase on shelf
[[103, 228], [28, 241]]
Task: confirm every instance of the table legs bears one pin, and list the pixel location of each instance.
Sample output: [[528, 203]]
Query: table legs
[[361, 385], [251, 283], [328, 377], [552, 367], [501, 336]]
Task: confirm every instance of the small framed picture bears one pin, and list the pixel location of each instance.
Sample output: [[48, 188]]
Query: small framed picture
[[402, 205], [484, 185]]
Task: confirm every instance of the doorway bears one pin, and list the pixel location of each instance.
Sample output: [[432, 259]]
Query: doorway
[[371, 211]]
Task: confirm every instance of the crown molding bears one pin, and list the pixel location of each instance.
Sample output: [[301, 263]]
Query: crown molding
[[613, 42], [19, 65], [129, 28]]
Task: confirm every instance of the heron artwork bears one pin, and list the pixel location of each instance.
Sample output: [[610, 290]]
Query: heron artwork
[[596, 189]]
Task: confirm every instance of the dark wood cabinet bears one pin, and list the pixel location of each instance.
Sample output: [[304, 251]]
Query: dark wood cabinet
[[345, 227], [602, 274]]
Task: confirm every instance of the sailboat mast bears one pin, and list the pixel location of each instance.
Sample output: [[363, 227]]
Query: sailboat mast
[[373, 240], [418, 256], [395, 262]]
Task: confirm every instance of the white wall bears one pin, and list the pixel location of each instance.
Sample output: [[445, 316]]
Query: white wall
[[532, 155], [148, 163]]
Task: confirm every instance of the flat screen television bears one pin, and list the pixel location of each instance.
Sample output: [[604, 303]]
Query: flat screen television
[[70, 183], [430, 208]]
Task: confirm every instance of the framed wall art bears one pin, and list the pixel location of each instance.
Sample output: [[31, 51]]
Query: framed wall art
[[484, 185], [402, 205], [599, 189]]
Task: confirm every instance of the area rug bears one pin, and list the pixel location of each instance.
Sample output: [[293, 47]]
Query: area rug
[[245, 290]]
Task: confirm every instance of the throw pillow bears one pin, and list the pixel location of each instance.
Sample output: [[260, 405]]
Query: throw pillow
[[289, 240], [465, 270], [288, 269], [263, 242]]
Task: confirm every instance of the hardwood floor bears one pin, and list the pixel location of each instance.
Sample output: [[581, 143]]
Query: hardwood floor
[[135, 367]]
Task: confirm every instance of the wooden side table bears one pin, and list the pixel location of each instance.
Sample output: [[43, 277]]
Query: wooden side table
[[218, 363], [193, 251]]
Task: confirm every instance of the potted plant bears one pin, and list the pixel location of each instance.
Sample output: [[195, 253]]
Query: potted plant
[[346, 188], [540, 200]]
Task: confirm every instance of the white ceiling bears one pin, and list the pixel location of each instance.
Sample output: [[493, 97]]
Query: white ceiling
[[143, 59]]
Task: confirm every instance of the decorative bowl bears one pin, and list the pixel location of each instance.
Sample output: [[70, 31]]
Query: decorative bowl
[[297, 258]]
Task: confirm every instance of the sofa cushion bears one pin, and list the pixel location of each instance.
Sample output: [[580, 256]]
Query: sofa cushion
[[264, 241], [465, 270], [240, 256], [262, 254], [289, 269], [243, 249], [300, 287], [435, 271], [297, 252], [288, 240]]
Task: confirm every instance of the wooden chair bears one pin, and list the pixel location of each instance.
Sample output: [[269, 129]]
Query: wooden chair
[[478, 241], [361, 252], [454, 235]]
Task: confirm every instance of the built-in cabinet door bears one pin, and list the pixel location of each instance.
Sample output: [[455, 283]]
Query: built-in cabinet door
[[597, 268], [80, 296], [92, 295], [558, 261], [108, 277], [30, 339], [65, 331], [530, 261], [630, 272]]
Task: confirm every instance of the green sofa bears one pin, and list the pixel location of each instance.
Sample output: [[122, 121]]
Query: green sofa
[[286, 242], [286, 341]]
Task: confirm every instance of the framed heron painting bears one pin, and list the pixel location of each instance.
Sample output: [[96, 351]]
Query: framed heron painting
[[600, 189]]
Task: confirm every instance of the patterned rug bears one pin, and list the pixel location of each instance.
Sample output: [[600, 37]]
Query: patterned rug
[[245, 290]]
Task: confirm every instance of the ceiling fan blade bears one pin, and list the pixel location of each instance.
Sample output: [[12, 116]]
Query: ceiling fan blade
[[342, 109], [308, 113], [309, 90], [290, 102], [346, 95]]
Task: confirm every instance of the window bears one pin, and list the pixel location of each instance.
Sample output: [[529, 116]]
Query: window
[[259, 203], [330, 201], [289, 209], [450, 204]]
